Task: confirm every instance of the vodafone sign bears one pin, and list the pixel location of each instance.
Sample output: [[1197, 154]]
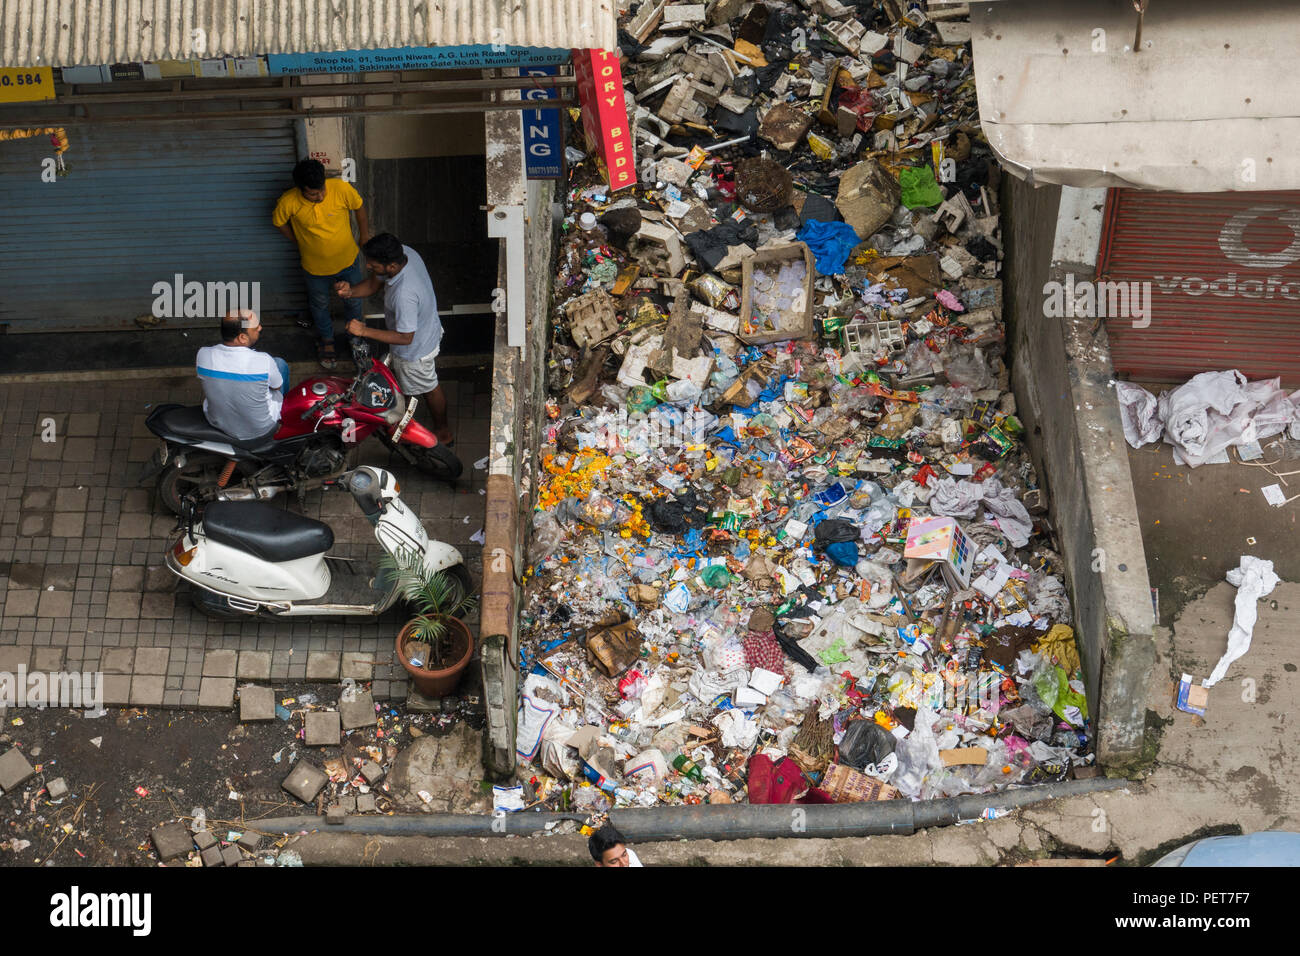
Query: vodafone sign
[[1224, 270]]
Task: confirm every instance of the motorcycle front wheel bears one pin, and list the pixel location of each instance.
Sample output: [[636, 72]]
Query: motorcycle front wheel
[[438, 462]]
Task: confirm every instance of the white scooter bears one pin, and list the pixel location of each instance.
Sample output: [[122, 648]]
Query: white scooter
[[250, 558]]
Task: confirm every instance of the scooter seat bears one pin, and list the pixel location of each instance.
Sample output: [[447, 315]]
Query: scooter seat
[[189, 422], [265, 531]]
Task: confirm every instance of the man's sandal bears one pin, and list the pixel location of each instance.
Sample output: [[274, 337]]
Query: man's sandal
[[327, 356]]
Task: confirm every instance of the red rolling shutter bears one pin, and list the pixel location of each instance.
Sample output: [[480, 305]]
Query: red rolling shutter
[[1224, 270]]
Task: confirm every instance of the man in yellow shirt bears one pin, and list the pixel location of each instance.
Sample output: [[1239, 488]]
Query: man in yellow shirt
[[315, 215]]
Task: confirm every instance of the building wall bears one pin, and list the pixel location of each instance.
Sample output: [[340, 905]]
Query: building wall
[[1061, 374], [518, 412]]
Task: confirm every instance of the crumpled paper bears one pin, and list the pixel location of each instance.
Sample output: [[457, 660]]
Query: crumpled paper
[[1215, 410], [1253, 579], [961, 499], [1138, 414]]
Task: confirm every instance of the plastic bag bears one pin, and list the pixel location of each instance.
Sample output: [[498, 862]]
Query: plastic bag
[[918, 755], [598, 510], [919, 188], [538, 706], [716, 576], [865, 742], [969, 371], [1055, 689], [548, 536]]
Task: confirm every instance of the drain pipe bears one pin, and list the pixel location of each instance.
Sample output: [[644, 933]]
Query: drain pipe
[[712, 822]]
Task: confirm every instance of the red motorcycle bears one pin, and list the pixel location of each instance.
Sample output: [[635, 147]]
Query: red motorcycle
[[321, 420]]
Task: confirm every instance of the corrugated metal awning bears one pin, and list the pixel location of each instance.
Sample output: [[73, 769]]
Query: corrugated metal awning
[[1210, 102], [97, 32]]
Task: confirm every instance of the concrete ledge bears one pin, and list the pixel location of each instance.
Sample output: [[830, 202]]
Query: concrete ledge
[[1063, 379]]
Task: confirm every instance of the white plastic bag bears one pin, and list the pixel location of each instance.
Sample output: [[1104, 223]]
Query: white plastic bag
[[918, 755], [535, 713]]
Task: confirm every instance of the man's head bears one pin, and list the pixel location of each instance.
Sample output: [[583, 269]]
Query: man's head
[[309, 177], [241, 327], [384, 255], [608, 848]]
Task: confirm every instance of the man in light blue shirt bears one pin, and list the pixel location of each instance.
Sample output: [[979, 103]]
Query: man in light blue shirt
[[242, 388], [413, 330]]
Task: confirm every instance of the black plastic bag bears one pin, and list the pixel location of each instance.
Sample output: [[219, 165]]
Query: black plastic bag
[[865, 742]]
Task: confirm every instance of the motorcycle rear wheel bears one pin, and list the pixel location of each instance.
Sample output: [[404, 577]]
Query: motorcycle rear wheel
[[198, 480]]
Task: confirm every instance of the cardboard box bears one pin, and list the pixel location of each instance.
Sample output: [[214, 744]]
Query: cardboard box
[[846, 785], [941, 539], [792, 325]]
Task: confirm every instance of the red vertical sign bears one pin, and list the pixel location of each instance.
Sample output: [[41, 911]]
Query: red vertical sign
[[604, 113]]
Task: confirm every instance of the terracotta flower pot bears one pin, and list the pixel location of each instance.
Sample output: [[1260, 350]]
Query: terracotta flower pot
[[441, 682]]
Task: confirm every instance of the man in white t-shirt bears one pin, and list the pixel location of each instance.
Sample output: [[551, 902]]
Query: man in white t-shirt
[[242, 387], [413, 330], [608, 848]]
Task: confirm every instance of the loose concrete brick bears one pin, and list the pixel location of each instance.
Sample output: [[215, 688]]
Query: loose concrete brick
[[256, 703], [419, 704], [151, 660], [204, 839], [14, 770], [250, 840], [323, 666], [220, 663], [48, 659], [212, 856], [14, 658], [231, 856], [358, 665], [172, 841], [335, 815], [359, 712], [305, 780], [217, 693], [348, 803], [55, 604], [117, 690], [57, 788], [254, 665], [366, 803], [118, 660], [322, 728], [372, 772], [147, 690]]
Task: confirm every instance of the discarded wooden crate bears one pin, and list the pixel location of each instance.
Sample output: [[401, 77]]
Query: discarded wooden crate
[[592, 319], [846, 785], [766, 315]]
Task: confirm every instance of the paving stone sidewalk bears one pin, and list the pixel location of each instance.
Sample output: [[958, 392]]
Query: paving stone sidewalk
[[82, 582]]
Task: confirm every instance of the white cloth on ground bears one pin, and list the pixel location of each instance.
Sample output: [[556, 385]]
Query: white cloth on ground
[[1253, 579]]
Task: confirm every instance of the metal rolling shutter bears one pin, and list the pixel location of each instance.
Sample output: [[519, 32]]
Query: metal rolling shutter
[[140, 204], [1224, 270]]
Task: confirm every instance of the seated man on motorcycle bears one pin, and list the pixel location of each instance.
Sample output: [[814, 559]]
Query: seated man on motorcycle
[[242, 387]]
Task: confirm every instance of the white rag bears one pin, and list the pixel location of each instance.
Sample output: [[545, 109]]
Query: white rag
[[1253, 579]]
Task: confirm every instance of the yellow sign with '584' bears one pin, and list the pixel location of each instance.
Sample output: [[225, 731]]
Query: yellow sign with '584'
[[19, 84]]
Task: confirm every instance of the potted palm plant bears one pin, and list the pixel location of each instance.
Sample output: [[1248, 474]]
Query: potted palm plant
[[435, 645]]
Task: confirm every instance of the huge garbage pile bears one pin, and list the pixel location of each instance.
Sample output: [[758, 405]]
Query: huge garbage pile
[[787, 542]]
